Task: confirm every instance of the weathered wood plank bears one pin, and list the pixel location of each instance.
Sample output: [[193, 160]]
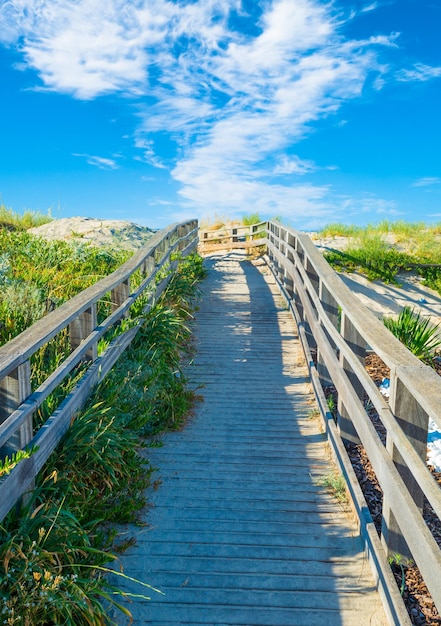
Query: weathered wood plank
[[238, 501]]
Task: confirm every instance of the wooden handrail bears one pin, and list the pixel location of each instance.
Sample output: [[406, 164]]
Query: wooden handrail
[[230, 237], [18, 401], [339, 329]]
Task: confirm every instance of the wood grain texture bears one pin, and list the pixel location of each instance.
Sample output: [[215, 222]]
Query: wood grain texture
[[239, 532]]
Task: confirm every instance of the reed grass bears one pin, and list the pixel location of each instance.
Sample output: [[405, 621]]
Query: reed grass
[[383, 250], [21, 221], [54, 554]]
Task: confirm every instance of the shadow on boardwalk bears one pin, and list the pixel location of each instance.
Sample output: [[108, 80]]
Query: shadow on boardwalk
[[239, 532]]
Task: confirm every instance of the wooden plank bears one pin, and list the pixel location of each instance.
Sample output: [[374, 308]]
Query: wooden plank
[[237, 499]]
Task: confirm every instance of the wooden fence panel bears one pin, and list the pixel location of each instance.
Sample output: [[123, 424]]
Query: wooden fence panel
[[338, 330], [79, 315]]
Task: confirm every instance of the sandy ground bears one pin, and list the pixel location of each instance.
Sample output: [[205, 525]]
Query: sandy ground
[[118, 233], [388, 299]]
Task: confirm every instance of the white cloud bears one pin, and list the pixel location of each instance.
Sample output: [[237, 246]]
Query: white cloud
[[233, 101], [294, 165], [148, 153], [427, 181], [369, 7], [419, 72], [101, 162], [88, 47]]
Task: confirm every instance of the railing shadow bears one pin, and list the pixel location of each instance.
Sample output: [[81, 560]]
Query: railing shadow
[[248, 527]]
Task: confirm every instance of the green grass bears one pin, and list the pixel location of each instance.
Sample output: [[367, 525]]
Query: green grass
[[339, 230], [54, 554], [383, 250], [37, 275], [335, 484], [21, 221]]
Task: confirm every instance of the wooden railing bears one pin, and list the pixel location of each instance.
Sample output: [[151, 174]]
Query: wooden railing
[[231, 237], [337, 331], [78, 317]]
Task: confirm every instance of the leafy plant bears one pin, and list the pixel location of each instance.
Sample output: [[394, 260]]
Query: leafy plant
[[7, 464], [50, 571], [416, 333]]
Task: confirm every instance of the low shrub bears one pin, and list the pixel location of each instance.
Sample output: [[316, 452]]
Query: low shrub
[[416, 333]]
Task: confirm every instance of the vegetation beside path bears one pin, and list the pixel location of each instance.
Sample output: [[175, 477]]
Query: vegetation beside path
[[383, 250], [55, 551]]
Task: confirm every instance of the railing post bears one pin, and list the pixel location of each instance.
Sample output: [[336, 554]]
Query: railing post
[[357, 344], [312, 275], [330, 307], [415, 424], [14, 389], [81, 327], [120, 294], [148, 266], [182, 231]]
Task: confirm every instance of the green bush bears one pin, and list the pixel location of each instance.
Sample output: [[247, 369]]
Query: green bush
[[416, 333]]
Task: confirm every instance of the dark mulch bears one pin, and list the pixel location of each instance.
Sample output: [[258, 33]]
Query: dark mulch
[[417, 599]]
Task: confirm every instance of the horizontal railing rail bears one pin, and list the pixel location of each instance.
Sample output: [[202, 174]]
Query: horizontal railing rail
[[338, 332], [77, 317], [231, 237]]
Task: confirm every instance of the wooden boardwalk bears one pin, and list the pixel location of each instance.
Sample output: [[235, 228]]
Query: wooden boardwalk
[[239, 531]]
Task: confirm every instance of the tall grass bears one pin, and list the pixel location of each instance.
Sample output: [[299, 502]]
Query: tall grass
[[21, 221], [37, 275], [384, 250], [53, 554]]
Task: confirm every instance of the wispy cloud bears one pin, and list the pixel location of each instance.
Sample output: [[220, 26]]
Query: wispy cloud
[[369, 7], [419, 72], [232, 95], [427, 181], [294, 165], [86, 48], [101, 162]]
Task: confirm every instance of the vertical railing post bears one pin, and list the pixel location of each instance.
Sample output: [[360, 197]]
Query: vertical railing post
[[297, 301], [330, 306], [148, 266], [357, 345], [414, 422], [312, 275], [81, 327], [14, 389], [119, 295], [288, 280], [182, 231]]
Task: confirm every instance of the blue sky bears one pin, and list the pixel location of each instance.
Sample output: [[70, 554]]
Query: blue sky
[[155, 111]]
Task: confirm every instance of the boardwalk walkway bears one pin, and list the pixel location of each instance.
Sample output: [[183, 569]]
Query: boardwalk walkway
[[239, 532]]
